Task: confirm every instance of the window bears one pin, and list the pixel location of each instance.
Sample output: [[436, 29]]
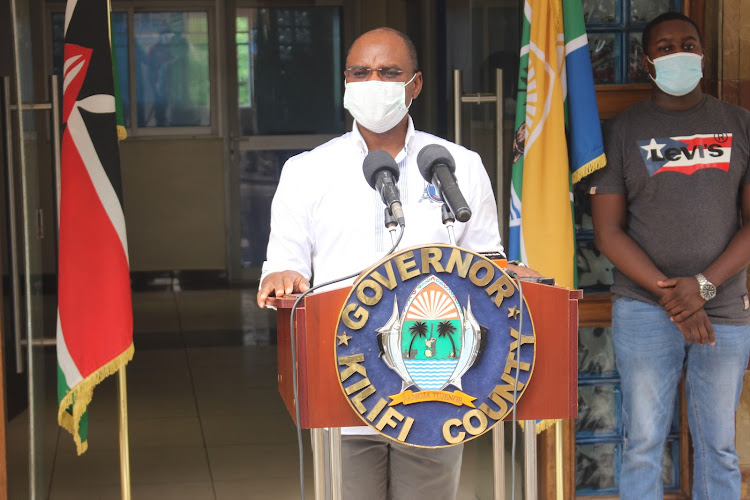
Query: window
[[172, 72], [614, 30], [290, 84], [287, 56], [163, 68]]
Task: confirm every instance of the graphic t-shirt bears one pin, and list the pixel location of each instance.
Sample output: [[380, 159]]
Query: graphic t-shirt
[[682, 174]]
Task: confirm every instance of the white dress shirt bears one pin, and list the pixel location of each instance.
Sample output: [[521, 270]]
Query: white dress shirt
[[326, 220]]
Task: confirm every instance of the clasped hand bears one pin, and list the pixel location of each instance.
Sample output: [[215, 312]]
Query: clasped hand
[[684, 305]]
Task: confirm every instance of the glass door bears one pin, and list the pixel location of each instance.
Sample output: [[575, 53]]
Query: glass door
[[287, 98], [483, 45], [28, 235]]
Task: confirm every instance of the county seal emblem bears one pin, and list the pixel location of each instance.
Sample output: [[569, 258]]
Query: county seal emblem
[[434, 346]]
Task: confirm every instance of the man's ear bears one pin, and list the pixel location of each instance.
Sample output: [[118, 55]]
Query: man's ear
[[417, 85], [645, 64]]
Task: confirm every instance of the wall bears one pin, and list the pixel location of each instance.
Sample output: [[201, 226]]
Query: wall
[[735, 64], [174, 201], [734, 86], [743, 437]]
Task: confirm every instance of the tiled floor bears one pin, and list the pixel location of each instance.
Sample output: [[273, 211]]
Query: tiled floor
[[205, 419]]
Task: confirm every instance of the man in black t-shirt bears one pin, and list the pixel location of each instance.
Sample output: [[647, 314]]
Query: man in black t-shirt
[[672, 212]]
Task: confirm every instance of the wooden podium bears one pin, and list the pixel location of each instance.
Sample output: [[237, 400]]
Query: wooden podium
[[551, 392]]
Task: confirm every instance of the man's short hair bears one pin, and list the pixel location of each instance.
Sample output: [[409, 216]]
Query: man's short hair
[[411, 50], [667, 16]]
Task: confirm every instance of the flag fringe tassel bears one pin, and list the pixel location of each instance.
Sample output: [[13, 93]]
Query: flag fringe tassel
[[122, 133], [80, 396], [542, 425], [589, 168]]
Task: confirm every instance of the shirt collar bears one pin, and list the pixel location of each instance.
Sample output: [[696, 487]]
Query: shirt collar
[[409, 143]]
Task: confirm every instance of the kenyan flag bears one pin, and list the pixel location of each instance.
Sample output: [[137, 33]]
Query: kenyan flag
[[95, 320]]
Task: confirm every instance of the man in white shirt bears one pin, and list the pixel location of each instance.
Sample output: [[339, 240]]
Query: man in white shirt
[[326, 220]]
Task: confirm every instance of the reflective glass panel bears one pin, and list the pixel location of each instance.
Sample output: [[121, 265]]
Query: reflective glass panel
[[596, 355], [121, 55], [598, 411], [604, 57], [172, 69], [259, 177], [595, 467], [599, 11], [595, 271], [598, 467], [582, 206], [646, 10], [290, 73], [636, 73], [670, 474]]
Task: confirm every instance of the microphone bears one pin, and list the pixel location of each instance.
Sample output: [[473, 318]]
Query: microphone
[[381, 173], [437, 166]]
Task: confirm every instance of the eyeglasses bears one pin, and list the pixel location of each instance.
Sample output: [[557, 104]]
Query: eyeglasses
[[362, 73]]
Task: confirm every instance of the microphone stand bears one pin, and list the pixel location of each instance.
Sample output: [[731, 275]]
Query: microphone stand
[[448, 220], [391, 224]]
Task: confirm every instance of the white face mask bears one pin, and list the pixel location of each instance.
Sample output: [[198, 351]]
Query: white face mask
[[678, 74], [376, 105]]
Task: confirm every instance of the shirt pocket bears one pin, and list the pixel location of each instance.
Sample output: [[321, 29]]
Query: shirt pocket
[[424, 224]]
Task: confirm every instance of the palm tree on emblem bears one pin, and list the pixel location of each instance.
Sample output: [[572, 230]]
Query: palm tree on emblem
[[418, 329], [446, 329]]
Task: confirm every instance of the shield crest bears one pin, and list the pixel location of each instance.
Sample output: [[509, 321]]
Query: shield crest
[[431, 334]]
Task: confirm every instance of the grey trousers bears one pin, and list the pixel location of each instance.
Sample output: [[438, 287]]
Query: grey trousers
[[376, 468]]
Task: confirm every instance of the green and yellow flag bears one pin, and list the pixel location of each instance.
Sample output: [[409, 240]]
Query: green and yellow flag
[[556, 102], [557, 138]]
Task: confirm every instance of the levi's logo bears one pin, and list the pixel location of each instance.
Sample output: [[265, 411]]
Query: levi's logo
[[686, 155]]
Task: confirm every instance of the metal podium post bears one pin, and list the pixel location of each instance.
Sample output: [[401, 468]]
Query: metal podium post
[[498, 461], [529, 467], [320, 477], [334, 447], [326, 445]]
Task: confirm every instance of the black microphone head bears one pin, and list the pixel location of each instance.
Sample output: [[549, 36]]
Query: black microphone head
[[378, 160], [434, 154]]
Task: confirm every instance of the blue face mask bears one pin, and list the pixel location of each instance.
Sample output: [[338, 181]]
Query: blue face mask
[[677, 74]]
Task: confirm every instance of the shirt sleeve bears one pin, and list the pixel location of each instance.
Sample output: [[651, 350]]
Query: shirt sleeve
[[482, 232], [610, 179], [290, 243]]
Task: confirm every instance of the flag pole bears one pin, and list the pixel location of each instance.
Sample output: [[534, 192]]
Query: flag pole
[[121, 379], [559, 481], [124, 444]]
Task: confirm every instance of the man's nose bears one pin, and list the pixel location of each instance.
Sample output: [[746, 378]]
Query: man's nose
[[374, 75]]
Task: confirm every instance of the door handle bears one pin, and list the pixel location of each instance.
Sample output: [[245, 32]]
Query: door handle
[[15, 261], [12, 227], [459, 98], [54, 95]]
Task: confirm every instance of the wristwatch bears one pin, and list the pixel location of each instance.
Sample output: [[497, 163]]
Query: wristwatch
[[707, 289]]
